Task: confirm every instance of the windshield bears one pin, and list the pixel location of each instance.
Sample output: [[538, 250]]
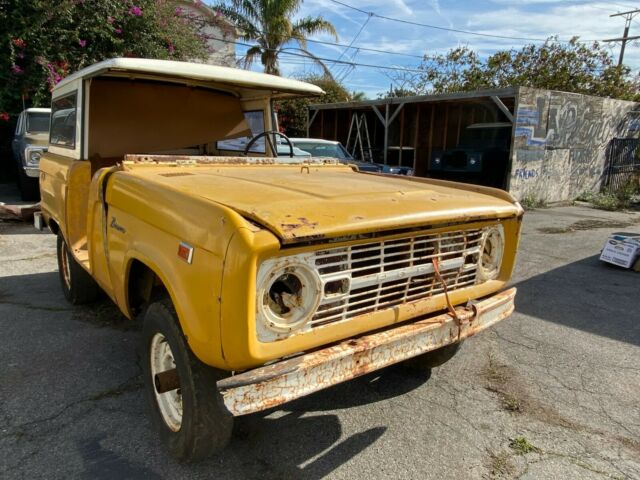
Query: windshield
[[334, 150], [37, 122]]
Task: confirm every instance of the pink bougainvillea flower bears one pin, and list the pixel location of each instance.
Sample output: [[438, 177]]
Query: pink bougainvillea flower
[[118, 30], [18, 42], [110, 20], [83, 43], [178, 11], [4, 116], [16, 69], [171, 49], [135, 11]]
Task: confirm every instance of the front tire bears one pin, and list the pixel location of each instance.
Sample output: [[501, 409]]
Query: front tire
[[192, 419], [77, 285]]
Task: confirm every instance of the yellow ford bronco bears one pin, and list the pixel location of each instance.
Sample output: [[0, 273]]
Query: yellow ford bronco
[[258, 278]]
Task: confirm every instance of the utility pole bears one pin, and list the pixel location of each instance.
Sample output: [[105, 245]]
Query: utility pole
[[625, 37]]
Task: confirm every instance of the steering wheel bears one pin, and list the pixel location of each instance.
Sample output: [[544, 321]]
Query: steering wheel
[[267, 134]]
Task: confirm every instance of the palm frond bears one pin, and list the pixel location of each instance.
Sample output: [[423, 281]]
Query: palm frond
[[247, 24], [325, 70], [310, 26], [250, 56]]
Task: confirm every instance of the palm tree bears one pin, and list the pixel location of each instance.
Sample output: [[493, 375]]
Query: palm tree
[[269, 24]]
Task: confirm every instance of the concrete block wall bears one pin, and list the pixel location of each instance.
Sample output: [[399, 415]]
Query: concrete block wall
[[560, 142]]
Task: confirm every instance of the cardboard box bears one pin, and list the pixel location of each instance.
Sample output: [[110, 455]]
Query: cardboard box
[[621, 249]]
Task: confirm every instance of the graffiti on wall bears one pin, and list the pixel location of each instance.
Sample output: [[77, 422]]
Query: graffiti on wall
[[531, 123], [526, 173], [561, 140], [565, 120]]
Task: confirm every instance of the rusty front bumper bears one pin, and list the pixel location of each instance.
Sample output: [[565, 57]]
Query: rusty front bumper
[[275, 384]]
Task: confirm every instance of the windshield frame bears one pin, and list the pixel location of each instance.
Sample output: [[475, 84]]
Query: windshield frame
[[27, 125]]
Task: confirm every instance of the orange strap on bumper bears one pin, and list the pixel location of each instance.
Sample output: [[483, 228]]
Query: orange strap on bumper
[[450, 307]]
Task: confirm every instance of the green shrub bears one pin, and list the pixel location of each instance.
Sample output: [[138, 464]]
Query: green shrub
[[530, 202]]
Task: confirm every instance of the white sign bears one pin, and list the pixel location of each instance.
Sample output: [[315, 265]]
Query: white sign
[[621, 250]]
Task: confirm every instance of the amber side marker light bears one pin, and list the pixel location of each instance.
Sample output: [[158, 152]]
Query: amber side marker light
[[185, 252]]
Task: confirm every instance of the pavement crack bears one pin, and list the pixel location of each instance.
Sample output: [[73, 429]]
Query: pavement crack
[[130, 385]]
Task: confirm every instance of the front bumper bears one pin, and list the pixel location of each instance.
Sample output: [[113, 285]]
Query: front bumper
[[33, 172], [281, 382]]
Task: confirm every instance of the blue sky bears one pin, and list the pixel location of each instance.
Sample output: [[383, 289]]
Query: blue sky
[[523, 18]]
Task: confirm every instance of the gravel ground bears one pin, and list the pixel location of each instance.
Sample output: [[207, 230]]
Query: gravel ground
[[551, 392]]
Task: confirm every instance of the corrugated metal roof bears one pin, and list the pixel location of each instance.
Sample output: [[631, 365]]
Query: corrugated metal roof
[[495, 92]]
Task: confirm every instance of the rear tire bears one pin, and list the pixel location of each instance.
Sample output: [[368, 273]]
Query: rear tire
[[192, 420], [77, 285], [433, 359]]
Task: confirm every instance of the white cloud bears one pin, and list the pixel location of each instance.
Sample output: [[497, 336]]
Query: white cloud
[[524, 18]]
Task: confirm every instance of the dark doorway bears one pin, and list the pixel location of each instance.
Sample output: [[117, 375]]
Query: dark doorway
[[622, 164]]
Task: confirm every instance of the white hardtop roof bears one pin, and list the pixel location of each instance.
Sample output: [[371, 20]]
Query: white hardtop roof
[[233, 77], [315, 140], [38, 110]]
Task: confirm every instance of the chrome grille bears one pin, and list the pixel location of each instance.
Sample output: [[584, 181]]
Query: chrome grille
[[374, 276]]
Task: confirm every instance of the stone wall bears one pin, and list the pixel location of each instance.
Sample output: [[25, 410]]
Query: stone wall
[[560, 142]]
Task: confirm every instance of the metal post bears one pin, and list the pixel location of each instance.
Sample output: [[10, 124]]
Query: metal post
[[386, 133], [624, 42]]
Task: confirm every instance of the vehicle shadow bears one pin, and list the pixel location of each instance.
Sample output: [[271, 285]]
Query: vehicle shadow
[[295, 445], [587, 295], [302, 439]]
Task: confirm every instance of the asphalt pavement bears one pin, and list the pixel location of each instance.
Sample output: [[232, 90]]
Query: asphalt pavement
[[552, 392]]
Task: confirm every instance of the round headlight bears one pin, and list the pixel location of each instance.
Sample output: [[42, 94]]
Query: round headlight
[[32, 156], [35, 156], [288, 297], [491, 253]]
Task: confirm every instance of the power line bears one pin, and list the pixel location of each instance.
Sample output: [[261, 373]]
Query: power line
[[324, 59], [455, 30], [355, 37], [376, 50], [345, 71]]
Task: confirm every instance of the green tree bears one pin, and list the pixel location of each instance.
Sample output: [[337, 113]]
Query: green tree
[[292, 114], [269, 24], [567, 66], [43, 41]]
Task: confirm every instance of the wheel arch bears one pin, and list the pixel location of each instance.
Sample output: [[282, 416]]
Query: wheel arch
[[144, 281]]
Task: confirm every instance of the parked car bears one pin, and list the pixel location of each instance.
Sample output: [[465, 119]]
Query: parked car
[[257, 279], [481, 156], [320, 148], [29, 143], [285, 151]]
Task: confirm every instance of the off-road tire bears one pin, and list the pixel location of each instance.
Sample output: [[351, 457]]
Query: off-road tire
[[206, 424], [77, 285], [433, 359], [29, 187]]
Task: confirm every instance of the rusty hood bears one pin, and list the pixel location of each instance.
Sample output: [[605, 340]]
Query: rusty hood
[[299, 202]]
